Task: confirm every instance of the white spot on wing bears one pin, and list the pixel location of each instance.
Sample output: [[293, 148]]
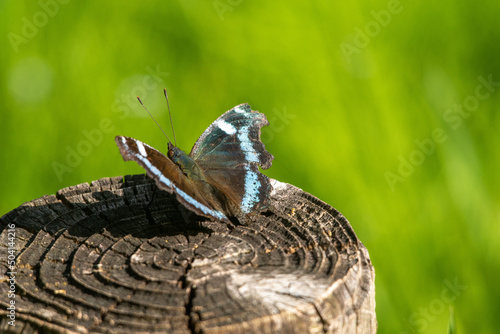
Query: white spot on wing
[[226, 127], [239, 109], [141, 148]]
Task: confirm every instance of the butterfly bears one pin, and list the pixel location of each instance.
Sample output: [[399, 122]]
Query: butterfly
[[220, 177]]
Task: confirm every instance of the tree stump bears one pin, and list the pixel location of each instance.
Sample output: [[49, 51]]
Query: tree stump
[[116, 256]]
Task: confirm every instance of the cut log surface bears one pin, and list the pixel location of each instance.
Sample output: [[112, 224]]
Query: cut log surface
[[116, 256]]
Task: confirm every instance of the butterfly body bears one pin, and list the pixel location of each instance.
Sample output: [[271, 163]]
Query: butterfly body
[[188, 166], [220, 177]]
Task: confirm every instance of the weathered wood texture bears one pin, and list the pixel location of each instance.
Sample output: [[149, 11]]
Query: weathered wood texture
[[111, 258]]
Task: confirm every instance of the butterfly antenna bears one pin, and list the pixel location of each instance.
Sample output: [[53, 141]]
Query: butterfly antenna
[[138, 98], [170, 115]]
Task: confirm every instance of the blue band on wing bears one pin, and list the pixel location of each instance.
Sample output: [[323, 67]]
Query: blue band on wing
[[252, 183], [252, 186]]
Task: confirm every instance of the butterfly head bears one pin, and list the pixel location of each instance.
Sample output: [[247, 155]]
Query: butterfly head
[[174, 153]]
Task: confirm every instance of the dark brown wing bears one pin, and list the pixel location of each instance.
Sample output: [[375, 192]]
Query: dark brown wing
[[194, 195], [230, 152]]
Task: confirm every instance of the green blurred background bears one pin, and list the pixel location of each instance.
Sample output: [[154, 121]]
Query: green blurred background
[[364, 102]]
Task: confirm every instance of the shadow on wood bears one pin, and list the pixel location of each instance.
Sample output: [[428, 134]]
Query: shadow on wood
[[110, 257]]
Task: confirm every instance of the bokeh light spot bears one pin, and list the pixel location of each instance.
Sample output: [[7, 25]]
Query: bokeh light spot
[[30, 80]]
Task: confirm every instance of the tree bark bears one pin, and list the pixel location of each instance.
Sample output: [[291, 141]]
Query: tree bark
[[118, 256]]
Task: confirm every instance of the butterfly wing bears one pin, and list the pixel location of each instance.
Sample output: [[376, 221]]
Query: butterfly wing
[[230, 152], [168, 176]]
